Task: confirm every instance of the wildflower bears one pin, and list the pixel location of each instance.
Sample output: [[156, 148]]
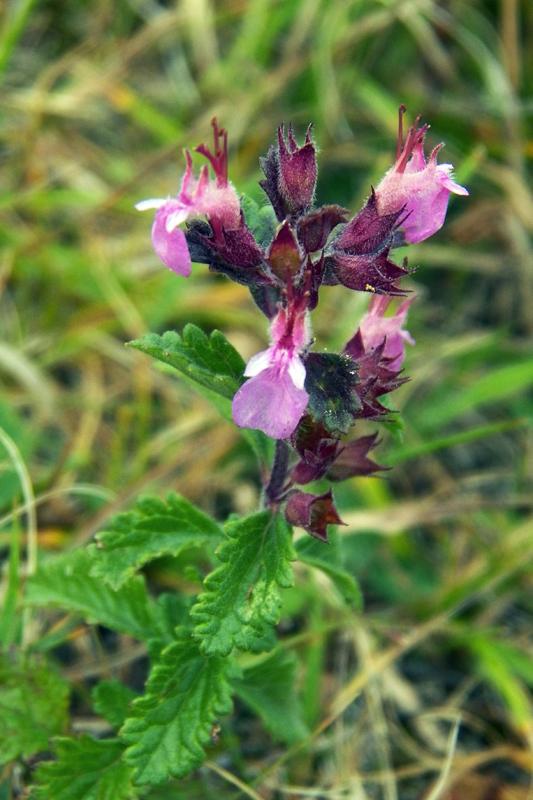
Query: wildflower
[[215, 199], [421, 189], [274, 398], [375, 327]]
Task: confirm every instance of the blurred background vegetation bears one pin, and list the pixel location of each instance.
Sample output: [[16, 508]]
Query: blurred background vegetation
[[98, 100]]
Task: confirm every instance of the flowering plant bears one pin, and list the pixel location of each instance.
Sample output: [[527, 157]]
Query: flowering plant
[[305, 400], [295, 406]]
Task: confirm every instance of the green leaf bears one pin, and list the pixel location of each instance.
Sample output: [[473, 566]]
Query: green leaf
[[170, 725], [328, 559], [260, 219], [153, 530], [33, 706], [86, 769], [211, 366], [330, 379], [171, 610], [269, 688], [212, 362], [242, 601], [66, 582], [112, 700]]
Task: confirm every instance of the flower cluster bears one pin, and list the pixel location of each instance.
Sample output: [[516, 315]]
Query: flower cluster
[[307, 400]]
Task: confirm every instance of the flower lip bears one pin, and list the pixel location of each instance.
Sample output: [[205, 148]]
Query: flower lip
[[271, 402], [170, 245], [274, 398], [153, 202]]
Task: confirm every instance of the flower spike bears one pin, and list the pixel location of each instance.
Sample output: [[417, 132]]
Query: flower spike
[[309, 401]]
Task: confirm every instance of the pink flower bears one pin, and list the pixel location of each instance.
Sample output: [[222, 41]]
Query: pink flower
[[274, 398], [214, 199], [421, 188], [375, 327]]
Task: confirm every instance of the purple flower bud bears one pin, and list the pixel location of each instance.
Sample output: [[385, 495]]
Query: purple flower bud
[[214, 199], [290, 175], [297, 173], [314, 512], [274, 398], [375, 327], [419, 188]]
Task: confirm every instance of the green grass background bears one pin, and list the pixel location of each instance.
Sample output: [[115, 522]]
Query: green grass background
[[97, 101]]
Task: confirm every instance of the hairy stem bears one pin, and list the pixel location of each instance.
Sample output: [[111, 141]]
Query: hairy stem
[[278, 476]]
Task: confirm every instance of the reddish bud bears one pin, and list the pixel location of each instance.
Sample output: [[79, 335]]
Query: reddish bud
[[297, 174], [284, 254], [315, 228], [374, 273], [290, 175], [317, 450], [314, 512]]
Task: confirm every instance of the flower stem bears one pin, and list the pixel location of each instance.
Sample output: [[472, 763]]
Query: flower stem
[[278, 475]]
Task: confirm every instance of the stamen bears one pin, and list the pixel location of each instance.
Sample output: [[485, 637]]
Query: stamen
[[421, 133], [221, 153], [219, 161], [216, 136], [401, 112], [414, 135]]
